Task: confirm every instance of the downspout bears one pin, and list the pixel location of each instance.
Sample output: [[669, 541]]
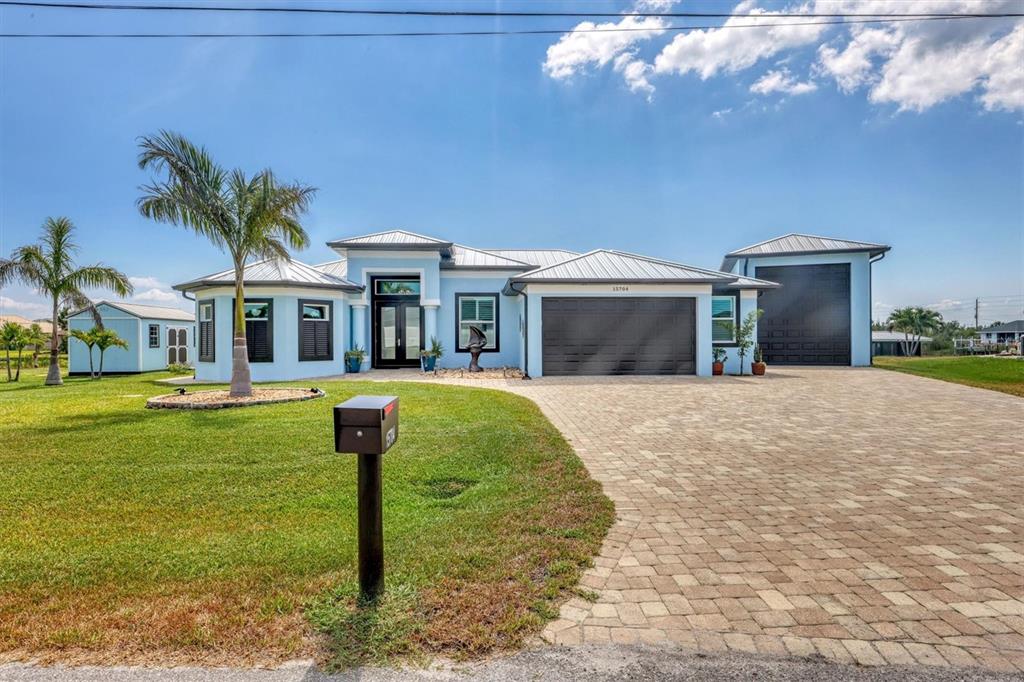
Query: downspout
[[871, 304], [526, 330]]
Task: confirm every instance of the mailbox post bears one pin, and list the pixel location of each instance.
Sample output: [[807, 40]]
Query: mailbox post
[[368, 426]]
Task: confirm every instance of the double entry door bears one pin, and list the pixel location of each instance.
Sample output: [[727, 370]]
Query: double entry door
[[397, 333]]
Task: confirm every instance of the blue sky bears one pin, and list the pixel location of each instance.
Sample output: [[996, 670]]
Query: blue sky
[[498, 142]]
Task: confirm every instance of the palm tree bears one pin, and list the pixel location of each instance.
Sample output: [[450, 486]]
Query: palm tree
[[87, 337], [256, 217], [36, 339], [106, 338], [49, 267], [913, 322], [13, 337]]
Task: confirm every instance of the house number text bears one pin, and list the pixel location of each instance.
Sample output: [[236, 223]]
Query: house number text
[[620, 287]]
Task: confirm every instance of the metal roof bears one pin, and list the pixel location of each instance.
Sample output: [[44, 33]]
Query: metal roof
[[152, 312], [537, 258], [751, 283], [390, 239], [271, 272], [460, 256], [604, 265], [338, 268], [895, 336], [795, 244], [1015, 326]]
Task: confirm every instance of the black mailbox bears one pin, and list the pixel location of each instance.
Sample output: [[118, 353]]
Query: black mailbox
[[366, 424]]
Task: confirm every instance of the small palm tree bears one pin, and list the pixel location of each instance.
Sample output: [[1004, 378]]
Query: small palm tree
[[106, 338], [49, 267], [36, 339], [13, 337], [87, 337], [913, 322], [247, 217]]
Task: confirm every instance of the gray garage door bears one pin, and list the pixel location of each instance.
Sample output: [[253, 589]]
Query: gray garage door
[[807, 320], [593, 336]]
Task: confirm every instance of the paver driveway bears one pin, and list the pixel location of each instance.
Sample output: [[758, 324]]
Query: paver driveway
[[865, 515]]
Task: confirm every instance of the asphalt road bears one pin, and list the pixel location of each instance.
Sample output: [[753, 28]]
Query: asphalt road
[[575, 664]]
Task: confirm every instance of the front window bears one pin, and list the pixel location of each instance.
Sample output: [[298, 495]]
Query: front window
[[316, 336], [206, 312], [723, 319], [154, 336], [315, 311], [257, 311], [397, 287], [259, 330], [480, 311]]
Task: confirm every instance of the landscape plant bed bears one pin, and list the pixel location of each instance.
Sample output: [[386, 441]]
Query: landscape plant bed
[[228, 537], [488, 373], [221, 398]]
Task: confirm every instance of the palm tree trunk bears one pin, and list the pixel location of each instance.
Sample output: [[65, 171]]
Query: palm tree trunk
[[100, 375], [92, 374], [241, 377], [17, 375], [8, 364], [53, 373]]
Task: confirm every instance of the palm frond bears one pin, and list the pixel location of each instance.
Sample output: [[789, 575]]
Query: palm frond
[[97, 277]]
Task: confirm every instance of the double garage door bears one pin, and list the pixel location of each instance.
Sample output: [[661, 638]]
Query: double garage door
[[806, 321], [599, 336]]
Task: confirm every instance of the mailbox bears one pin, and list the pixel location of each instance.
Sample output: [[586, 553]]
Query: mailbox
[[366, 424]]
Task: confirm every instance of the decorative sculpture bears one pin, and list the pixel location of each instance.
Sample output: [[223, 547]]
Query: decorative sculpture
[[477, 341]]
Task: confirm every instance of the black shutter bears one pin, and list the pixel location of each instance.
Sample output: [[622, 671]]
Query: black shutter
[[207, 336], [316, 336]]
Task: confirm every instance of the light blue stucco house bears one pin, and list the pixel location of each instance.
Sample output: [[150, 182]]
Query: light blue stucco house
[[157, 336], [546, 311]]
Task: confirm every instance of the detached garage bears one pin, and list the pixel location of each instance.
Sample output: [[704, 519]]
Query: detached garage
[[613, 313], [821, 313]]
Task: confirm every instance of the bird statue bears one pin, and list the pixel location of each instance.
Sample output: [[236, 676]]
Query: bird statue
[[477, 341]]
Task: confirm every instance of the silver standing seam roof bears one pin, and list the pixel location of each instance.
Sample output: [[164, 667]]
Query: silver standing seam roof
[[152, 312], [459, 256], [536, 258], [271, 272], [390, 239], [793, 244], [603, 265], [338, 268]]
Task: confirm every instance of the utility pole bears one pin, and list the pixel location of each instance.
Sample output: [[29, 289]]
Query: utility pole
[[976, 325]]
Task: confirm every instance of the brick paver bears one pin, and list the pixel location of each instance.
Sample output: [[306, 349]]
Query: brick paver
[[863, 515]]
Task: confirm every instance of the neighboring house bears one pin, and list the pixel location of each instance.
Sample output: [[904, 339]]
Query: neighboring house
[[821, 313], [1008, 332], [547, 311], [157, 336], [891, 343], [26, 323]]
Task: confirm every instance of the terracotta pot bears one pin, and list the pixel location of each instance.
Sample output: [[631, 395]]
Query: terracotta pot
[[758, 368], [717, 368]]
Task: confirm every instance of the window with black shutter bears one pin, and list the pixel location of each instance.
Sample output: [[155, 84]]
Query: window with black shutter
[[316, 330], [207, 330], [259, 329]]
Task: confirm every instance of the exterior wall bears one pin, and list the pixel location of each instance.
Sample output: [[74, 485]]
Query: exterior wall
[[860, 292], [156, 358], [286, 365], [537, 292], [509, 309], [363, 265], [115, 360]]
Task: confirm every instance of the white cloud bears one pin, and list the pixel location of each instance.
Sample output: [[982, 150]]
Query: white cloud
[[913, 65], [781, 81], [24, 308], [147, 282], [721, 113], [157, 295]]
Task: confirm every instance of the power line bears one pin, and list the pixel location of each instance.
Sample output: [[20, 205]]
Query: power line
[[467, 13], [412, 34]]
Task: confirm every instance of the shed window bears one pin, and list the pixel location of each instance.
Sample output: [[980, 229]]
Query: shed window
[[259, 329], [207, 339], [480, 311], [723, 319], [154, 336], [315, 330]]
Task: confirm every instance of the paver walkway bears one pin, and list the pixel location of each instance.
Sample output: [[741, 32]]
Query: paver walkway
[[864, 515]]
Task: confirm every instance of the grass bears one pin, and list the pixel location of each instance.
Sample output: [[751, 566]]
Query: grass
[[229, 536], [998, 374]]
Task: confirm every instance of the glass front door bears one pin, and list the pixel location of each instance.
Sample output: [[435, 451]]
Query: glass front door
[[397, 333]]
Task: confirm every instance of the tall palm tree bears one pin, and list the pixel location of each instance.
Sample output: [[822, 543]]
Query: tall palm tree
[[247, 217], [12, 337], [913, 322], [49, 266]]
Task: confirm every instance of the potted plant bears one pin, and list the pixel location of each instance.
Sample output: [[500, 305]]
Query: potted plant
[[758, 367], [718, 356], [354, 359], [429, 356]]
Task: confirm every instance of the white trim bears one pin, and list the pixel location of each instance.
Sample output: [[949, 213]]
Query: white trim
[[734, 304], [431, 303], [263, 292], [748, 293], [624, 290]]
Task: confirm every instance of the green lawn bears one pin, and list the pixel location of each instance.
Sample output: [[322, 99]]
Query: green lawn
[[998, 374], [228, 536]]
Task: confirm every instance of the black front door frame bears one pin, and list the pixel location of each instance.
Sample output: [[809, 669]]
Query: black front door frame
[[401, 303]]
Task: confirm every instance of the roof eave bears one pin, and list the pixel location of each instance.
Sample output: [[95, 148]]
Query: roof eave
[[440, 246], [873, 251], [209, 284], [619, 280]]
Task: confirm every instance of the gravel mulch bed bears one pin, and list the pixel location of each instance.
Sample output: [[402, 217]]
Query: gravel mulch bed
[[488, 373], [217, 399]]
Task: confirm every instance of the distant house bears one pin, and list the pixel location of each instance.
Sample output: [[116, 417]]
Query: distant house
[[890, 343], [45, 325], [1007, 332], [157, 336]]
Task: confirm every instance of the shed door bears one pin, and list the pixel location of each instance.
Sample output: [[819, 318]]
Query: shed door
[[806, 321], [598, 336]]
